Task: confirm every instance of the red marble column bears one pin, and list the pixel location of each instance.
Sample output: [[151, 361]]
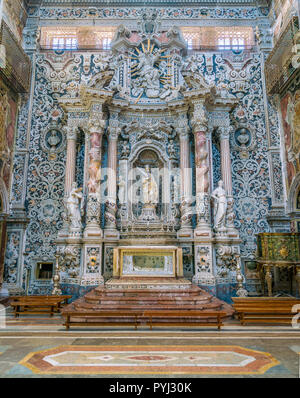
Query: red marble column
[[93, 213], [202, 181], [95, 160], [201, 160]]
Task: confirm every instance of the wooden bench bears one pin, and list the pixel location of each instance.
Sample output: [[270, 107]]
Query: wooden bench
[[268, 310], [171, 318], [38, 304], [130, 318], [184, 318]]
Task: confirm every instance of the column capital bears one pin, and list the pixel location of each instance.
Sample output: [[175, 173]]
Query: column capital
[[199, 119], [71, 132], [96, 126], [224, 132], [182, 128], [114, 130]]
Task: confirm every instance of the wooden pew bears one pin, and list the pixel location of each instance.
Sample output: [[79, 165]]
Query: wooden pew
[[38, 304], [130, 318], [184, 318], [268, 310], [158, 318]]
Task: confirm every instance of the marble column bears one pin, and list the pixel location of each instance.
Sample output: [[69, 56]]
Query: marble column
[[71, 158], [202, 181], [186, 183], [227, 177], [200, 130], [111, 201], [71, 133], [93, 219], [225, 159]]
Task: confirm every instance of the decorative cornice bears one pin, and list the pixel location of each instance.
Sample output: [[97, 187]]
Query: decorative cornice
[[136, 3], [129, 10]]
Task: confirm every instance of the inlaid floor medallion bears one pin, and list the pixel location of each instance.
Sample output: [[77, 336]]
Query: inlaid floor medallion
[[133, 360]]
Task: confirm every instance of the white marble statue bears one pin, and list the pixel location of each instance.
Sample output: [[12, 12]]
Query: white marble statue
[[220, 206], [148, 74], [150, 188], [122, 189], [74, 206]]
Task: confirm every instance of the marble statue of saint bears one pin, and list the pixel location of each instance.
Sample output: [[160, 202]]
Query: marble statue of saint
[[74, 205], [220, 206], [122, 191], [150, 188], [149, 75]]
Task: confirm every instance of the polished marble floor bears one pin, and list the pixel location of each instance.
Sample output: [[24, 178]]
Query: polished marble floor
[[34, 347]]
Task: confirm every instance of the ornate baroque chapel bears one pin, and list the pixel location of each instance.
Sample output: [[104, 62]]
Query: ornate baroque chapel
[[148, 144]]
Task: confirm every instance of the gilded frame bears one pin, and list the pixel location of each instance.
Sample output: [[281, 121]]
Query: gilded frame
[[176, 253]]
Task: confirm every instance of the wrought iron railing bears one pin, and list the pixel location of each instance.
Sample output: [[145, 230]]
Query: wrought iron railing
[[15, 66], [278, 66]]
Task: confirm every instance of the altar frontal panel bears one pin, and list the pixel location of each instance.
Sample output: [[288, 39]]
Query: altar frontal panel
[[152, 262]]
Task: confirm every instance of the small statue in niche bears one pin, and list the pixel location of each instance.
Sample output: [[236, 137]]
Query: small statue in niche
[[150, 188], [74, 205], [220, 207], [122, 190]]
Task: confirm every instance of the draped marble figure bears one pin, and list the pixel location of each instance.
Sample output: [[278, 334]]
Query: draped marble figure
[[220, 206], [150, 188], [74, 206]]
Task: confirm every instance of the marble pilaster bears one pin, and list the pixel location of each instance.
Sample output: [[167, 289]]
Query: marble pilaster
[[111, 200], [227, 178], [71, 158], [186, 183]]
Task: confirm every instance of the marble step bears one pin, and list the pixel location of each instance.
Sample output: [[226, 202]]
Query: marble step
[[148, 292], [142, 307], [147, 300], [116, 320]]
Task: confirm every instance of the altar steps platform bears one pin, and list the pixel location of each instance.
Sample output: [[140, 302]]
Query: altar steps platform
[[128, 297]]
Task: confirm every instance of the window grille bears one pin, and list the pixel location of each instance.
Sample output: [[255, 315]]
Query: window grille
[[219, 38]]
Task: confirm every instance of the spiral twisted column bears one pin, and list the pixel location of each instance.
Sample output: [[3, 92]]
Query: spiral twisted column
[[93, 213]]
